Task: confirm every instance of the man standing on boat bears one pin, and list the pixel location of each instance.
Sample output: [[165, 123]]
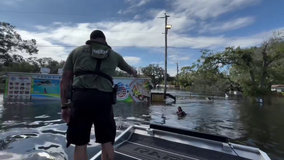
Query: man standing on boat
[[92, 95]]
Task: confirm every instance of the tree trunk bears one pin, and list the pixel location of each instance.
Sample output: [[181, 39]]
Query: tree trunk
[[264, 66]]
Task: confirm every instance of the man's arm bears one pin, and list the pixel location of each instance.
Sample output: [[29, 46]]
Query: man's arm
[[126, 67], [67, 78]]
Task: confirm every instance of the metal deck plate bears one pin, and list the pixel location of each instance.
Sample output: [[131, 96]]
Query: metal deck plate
[[121, 156], [140, 147], [150, 148], [149, 153]]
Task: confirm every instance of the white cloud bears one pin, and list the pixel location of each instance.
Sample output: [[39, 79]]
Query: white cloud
[[172, 71], [129, 33], [205, 9], [227, 26], [178, 57], [137, 17], [133, 4], [40, 27], [48, 49], [132, 60], [139, 4], [148, 34]]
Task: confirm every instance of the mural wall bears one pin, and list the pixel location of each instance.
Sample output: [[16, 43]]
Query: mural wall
[[18, 87], [46, 86], [133, 90]]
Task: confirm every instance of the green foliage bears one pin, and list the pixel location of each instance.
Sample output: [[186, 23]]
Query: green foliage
[[156, 74], [251, 70], [11, 42], [32, 65], [53, 65]]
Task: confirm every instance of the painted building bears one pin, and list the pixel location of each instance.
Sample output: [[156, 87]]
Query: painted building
[[20, 85]]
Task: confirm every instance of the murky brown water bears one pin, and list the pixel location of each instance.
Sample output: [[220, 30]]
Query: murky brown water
[[35, 131]]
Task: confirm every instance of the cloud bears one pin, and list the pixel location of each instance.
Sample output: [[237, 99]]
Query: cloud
[[48, 48], [178, 57], [40, 27], [133, 4], [220, 42], [205, 9], [227, 26], [132, 60], [172, 71], [58, 40]]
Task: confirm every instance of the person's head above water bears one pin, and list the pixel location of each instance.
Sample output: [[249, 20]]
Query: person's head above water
[[179, 109]]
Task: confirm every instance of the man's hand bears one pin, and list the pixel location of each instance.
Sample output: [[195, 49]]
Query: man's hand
[[134, 72], [65, 115], [65, 82]]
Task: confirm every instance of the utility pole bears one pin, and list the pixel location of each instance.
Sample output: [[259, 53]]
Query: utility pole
[[166, 51], [177, 76]]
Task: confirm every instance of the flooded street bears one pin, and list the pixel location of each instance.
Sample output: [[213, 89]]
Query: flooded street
[[35, 131]]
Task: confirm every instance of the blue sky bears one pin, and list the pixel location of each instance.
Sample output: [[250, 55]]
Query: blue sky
[[134, 30]]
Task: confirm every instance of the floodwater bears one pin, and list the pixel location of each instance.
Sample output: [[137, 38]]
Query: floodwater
[[35, 131]]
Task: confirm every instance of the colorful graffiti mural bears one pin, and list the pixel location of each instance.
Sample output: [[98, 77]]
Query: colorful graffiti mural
[[133, 90], [46, 86]]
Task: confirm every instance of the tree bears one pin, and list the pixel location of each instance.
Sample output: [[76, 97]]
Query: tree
[[50, 63], [10, 42], [156, 74], [186, 76], [252, 70], [120, 73]]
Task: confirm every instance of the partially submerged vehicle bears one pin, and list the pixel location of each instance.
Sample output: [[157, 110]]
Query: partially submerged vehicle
[[160, 142]]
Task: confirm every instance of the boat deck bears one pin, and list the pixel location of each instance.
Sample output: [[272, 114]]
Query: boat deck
[[140, 147]]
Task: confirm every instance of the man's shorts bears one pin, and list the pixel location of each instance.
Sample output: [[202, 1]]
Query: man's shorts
[[91, 107]]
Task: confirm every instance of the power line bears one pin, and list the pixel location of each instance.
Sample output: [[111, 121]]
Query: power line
[[76, 29], [72, 14], [63, 14], [158, 47]]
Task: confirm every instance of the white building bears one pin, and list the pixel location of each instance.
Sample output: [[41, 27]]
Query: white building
[[277, 88]]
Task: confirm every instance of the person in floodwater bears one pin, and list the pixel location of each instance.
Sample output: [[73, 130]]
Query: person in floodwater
[[208, 98], [44, 91], [92, 93], [180, 112]]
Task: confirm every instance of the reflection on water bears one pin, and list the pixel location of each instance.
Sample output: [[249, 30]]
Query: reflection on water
[[35, 130]]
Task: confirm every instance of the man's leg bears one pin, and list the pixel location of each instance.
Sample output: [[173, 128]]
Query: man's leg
[[79, 135], [80, 153], [107, 151], [105, 134], [79, 127], [103, 119], [105, 130]]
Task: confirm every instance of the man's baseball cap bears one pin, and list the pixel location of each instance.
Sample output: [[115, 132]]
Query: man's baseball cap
[[97, 34]]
